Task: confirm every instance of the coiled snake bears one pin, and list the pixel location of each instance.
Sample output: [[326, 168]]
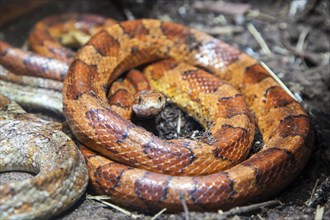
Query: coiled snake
[[282, 121], [30, 144], [140, 170]]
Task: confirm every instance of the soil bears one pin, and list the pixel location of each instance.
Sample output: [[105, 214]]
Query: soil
[[302, 63]]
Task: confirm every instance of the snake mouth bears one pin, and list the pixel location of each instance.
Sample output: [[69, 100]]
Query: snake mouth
[[148, 111]]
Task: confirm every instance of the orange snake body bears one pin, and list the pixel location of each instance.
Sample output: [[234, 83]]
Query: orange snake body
[[282, 121], [140, 170]]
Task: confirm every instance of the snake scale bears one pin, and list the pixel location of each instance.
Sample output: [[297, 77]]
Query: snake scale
[[31, 144], [138, 169]]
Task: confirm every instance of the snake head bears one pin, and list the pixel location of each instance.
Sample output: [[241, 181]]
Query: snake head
[[148, 103]]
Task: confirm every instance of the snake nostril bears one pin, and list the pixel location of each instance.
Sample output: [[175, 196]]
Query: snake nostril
[[160, 99], [140, 100]]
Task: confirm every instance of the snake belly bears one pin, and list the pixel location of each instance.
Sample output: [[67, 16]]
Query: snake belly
[[30, 144], [282, 122]]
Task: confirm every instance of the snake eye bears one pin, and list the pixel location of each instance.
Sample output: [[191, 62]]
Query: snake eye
[[160, 98], [140, 100]]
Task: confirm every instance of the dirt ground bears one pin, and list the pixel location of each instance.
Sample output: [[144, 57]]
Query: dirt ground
[[297, 49]]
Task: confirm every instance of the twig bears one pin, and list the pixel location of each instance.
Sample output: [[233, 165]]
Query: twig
[[319, 212], [228, 30], [185, 207], [257, 14], [193, 136], [302, 38], [158, 214], [101, 200], [311, 57], [296, 6], [129, 15], [244, 209], [308, 202], [280, 82], [265, 49], [178, 128], [100, 197], [259, 216], [280, 50]]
